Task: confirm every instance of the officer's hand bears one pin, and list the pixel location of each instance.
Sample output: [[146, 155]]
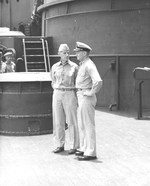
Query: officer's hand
[[87, 94]]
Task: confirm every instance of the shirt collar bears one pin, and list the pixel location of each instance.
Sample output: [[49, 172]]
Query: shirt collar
[[81, 62], [67, 62]]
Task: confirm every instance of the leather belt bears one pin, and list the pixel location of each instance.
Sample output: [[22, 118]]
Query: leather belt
[[80, 89], [65, 89]]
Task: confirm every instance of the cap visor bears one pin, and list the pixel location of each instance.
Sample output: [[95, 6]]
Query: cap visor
[[77, 50]]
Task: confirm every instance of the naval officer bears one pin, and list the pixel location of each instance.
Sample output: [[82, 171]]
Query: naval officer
[[88, 83], [63, 74]]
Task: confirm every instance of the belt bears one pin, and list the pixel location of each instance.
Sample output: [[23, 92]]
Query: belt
[[65, 89], [80, 89]]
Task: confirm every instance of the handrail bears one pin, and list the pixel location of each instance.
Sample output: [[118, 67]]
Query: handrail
[[25, 57], [44, 54], [49, 65]]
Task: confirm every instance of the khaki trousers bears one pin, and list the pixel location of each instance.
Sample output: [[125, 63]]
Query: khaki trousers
[[65, 111], [86, 123]]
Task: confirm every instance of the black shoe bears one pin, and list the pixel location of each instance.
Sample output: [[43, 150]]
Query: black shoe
[[58, 149], [86, 158], [79, 153], [72, 151]]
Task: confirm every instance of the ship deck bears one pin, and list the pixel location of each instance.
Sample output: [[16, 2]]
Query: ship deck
[[123, 148]]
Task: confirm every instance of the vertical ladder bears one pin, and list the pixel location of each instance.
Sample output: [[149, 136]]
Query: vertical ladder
[[36, 54]]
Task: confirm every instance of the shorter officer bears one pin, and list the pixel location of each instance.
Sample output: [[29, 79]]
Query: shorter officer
[[10, 65], [88, 82], [63, 75]]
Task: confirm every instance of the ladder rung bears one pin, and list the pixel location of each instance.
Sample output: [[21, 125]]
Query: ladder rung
[[35, 70], [34, 55], [35, 62], [34, 48], [33, 41]]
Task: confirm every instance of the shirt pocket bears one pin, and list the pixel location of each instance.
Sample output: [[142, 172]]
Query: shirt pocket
[[58, 73], [82, 74]]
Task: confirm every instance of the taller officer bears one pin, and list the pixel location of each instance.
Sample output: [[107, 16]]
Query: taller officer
[[88, 82], [63, 75]]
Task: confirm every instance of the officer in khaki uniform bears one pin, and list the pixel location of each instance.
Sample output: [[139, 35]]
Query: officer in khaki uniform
[[88, 82], [63, 74]]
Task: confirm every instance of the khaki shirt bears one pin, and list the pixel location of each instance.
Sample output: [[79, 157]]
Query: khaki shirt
[[88, 76], [64, 75]]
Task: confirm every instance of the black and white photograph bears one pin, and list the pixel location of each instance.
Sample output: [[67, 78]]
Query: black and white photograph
[[74, 92]]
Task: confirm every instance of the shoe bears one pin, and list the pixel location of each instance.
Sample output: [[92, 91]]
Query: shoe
[[79, 153], [72, 151], [58, 149], [86, 158]]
